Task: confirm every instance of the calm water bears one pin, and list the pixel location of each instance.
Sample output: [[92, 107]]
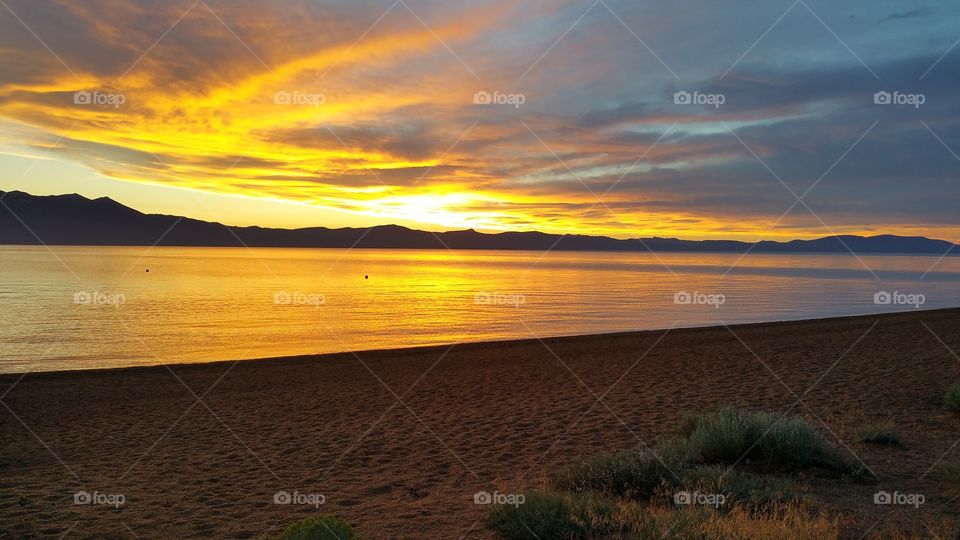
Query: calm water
[[87, 307]]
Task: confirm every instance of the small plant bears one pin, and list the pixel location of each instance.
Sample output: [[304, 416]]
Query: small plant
[[952, 399], [623, 495], [730, 434], [879, 434], [950, 471], [742, 488], [322, 527], [553, 515], [788, 521], [574, 517], [632, 474]]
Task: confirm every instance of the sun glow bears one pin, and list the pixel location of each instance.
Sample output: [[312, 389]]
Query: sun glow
[[446, 210]]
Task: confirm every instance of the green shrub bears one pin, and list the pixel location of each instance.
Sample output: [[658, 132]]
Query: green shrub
[[639, 475], [952, 400], [574, 517], [688, 424], [879, 434], [787, 522], [742, 488], [322, 527], [790, 443], [632, 474], [553, 515], [950, 471]]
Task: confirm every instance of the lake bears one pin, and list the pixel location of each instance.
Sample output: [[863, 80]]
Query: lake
[[96, 307]]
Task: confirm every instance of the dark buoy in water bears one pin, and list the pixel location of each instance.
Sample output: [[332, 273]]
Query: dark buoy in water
[[148, 270], [366, 277]]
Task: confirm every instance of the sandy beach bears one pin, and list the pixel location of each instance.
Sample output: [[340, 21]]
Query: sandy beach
[[398, 442]]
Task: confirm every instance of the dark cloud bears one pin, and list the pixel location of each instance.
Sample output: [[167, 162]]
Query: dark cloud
[[410, 141]]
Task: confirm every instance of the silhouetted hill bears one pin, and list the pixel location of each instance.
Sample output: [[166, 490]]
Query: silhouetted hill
[[76, 220]]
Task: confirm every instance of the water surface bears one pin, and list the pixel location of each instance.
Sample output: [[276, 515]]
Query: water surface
[[93, 307]]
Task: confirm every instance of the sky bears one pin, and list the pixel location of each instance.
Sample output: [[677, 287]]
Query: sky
[[694, 119]]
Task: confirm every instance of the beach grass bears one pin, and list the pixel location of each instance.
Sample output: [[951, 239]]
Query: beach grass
[[632, 474], [555, 515], [879, 434], [950, 471], [322, 527], [952, 398], [570, 516], [687, 487], [644, 476], [742, 488], [731, 435]]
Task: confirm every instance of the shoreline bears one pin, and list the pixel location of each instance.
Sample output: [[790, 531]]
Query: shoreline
[[424, 349], [522, 250], [399, 441]]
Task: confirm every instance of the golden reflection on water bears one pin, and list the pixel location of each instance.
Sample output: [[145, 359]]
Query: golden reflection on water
[[203, 304]]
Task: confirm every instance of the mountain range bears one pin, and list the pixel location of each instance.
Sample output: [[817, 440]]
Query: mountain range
[[27, 219]]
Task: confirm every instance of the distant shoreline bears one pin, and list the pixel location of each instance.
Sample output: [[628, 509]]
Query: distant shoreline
[[27, 219], [955, 253]]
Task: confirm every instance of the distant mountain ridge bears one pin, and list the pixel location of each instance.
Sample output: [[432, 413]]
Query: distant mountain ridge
[[77, 220]]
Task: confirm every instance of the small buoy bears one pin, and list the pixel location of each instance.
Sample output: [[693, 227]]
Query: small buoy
[[148, 270], [366, 277]]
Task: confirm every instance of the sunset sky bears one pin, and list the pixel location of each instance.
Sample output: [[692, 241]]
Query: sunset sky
[[353, 113]]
